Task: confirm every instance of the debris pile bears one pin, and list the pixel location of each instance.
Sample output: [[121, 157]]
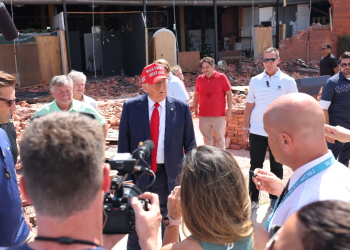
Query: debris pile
[[234, 127]]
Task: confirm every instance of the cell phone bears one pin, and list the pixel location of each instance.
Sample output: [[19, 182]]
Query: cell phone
[[252, 173]]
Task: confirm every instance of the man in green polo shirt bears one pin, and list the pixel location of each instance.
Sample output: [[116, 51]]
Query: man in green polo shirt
[[61, 89]]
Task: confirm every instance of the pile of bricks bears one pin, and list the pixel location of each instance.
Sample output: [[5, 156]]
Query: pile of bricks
[[110, 88], [234, 127]]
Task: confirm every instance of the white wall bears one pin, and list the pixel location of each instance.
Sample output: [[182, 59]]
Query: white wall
[[303, 16]]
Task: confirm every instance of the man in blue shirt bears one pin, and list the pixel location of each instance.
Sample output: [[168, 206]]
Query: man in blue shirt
[[13, 228], [335, 101]]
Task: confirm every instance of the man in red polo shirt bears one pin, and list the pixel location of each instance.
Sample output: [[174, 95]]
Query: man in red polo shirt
[[211, 89]]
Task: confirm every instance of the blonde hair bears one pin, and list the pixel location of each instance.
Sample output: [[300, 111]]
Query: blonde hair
[[175, 68], [215, 203], [164, 63]]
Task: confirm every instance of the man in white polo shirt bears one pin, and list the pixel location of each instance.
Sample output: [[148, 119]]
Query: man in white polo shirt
[[79, 80], [295, 125], [263, 90]]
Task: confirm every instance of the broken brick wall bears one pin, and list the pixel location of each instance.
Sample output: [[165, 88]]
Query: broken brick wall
[[306, 44], [340, 16]]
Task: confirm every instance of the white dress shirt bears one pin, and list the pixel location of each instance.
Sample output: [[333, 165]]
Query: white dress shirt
[[263, 95], [332, 183], [161, 138], [176, 88], [89, 100]]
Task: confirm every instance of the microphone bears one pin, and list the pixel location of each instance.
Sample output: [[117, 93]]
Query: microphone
[[7, 27], [144, 151]]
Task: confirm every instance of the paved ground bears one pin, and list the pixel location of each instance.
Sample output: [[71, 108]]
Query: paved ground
[[259, 215]]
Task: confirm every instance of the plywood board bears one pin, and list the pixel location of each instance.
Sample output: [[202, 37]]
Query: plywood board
[[165, 46], [64, 56], [7, 62], [152, 54], [49, 55], [28, 65], [262, 39], [189, 60]]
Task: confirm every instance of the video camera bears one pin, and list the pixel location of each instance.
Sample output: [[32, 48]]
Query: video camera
[[118, 215]]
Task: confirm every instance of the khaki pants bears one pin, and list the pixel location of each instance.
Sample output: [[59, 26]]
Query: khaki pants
[[207, 124]]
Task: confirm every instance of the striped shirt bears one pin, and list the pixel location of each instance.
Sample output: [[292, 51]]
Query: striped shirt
[[263, 90]]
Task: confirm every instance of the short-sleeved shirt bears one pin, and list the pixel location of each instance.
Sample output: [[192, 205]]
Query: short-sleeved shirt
[[244, 244], [25, 247], [13, 228], [76, 106], [337, 91], [330, 184], [263, 90], [90, 101], [176, 88], [327, 65], [212, 94], [11, 133]]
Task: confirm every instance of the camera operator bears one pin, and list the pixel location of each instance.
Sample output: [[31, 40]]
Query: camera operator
[[65, 177]]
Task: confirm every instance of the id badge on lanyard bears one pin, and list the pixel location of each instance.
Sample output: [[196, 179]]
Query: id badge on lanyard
[[307, 175]]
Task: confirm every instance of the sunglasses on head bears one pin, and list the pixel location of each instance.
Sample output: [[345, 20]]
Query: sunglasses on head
[[265, 60], [8, 101], [343, 65]]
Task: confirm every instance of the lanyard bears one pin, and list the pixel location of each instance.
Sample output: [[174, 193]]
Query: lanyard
[[307, 175]]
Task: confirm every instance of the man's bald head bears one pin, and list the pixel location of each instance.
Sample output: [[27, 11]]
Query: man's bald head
[[296, 117]]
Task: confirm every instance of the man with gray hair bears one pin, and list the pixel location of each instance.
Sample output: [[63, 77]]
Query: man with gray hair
[[61, 89], [79, 80]]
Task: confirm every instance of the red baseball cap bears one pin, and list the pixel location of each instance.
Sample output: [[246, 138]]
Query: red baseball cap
[[152, 73]]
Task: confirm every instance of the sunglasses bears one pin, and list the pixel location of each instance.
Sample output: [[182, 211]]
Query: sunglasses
[[8, 101], [265, 60], [344, 65], [324, 48]]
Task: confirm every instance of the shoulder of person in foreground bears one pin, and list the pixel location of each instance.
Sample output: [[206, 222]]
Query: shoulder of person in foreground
[[43, 110], [84, 107], [260, 237], [135, 99], [186, 244]]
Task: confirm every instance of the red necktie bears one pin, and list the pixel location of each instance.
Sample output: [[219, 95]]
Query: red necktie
[[154, 127]]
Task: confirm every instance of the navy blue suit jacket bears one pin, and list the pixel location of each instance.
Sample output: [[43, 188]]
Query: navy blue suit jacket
[[179, 134]]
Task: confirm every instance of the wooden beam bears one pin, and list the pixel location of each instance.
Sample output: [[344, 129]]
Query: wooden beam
[[240, 18], [102, 18], [182, 29], [51, 13], [322, 12], [101, 12], [43, 16], [203, 28]]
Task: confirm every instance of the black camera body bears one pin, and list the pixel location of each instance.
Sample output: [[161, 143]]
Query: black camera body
[[118, 215]]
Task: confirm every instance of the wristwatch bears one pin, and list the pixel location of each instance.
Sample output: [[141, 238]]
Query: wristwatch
[[168, 222]]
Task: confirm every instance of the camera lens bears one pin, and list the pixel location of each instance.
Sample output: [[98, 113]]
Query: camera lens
[[131, 190]]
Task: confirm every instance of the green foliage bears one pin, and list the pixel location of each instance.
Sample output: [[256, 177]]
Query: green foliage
[[344, 44]]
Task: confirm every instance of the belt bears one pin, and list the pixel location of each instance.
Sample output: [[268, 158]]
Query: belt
[[161, 165]]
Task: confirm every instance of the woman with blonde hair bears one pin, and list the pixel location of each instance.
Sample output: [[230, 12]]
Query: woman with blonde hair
[[215, 205]]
